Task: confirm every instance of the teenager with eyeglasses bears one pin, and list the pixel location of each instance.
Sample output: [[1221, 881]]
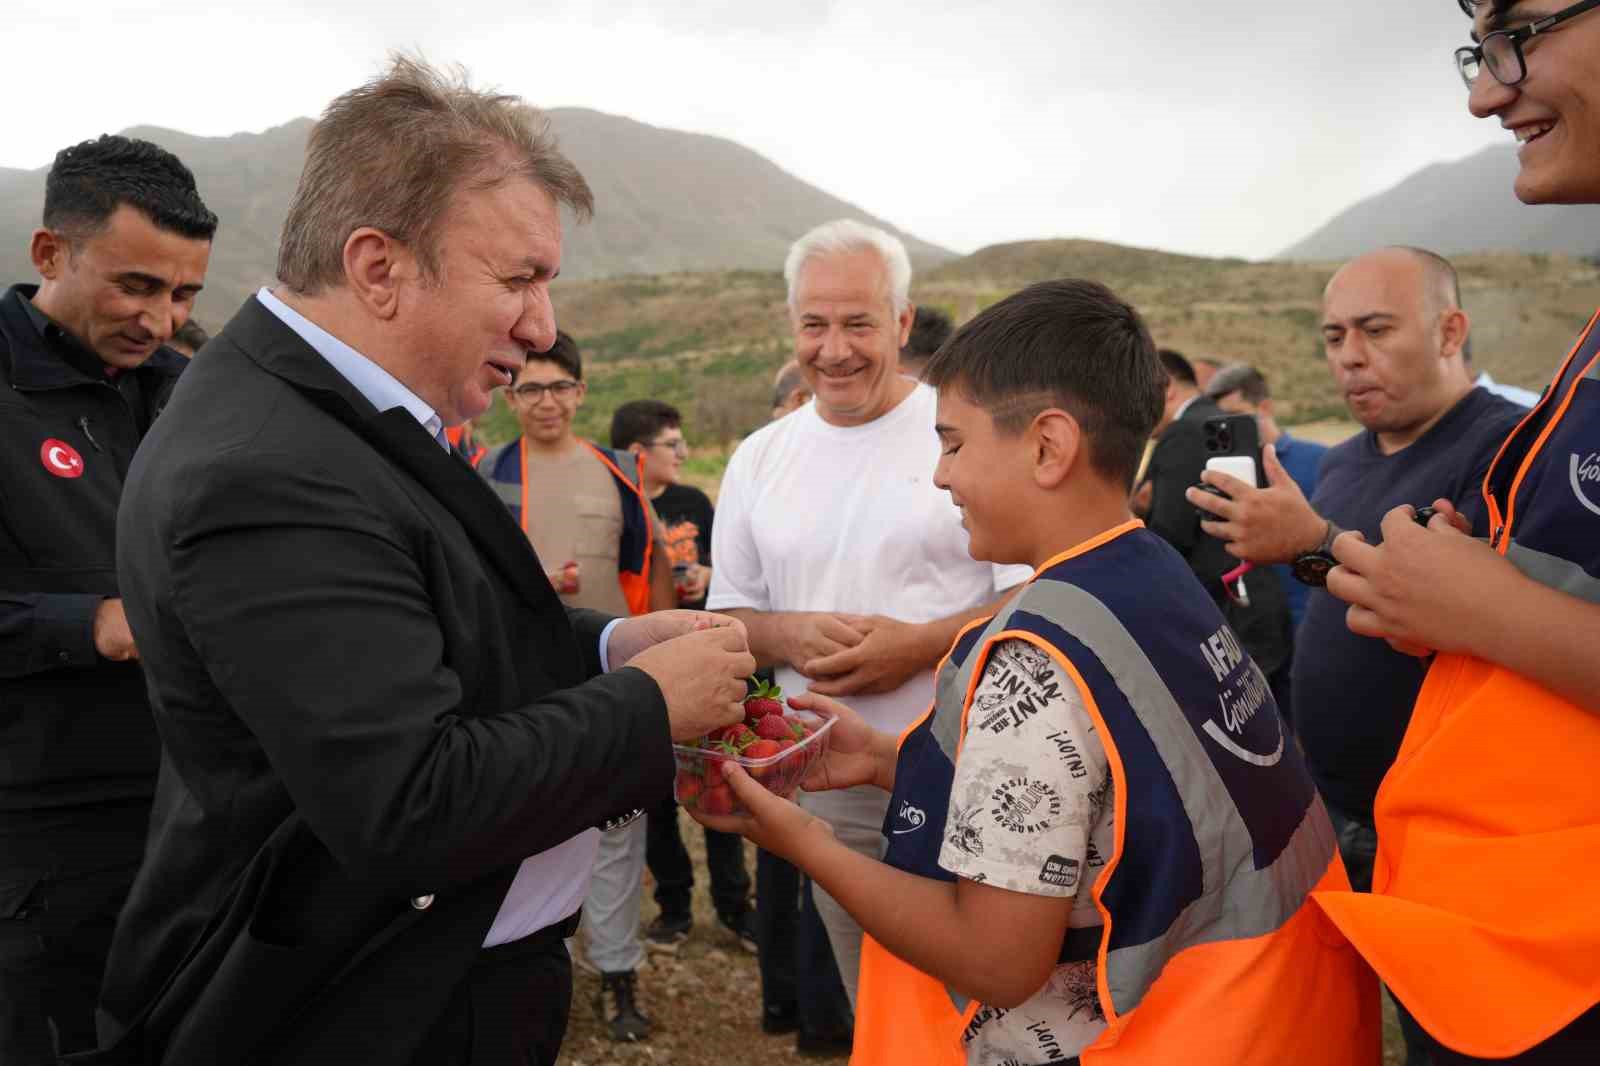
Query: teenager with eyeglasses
[[1482, 919]]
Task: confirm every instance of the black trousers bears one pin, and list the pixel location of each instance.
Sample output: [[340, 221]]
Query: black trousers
[[799, 976], [61, 889], [669, 864], [511, 1009]]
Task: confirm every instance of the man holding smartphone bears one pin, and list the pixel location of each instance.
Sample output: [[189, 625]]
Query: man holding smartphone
[[1393, 331]]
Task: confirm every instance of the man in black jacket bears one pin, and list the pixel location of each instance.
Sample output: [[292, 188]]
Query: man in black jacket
[[121, 254], [1260, 617], [385, 741]]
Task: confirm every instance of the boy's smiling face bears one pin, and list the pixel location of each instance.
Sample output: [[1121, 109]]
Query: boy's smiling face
[[989, 475]]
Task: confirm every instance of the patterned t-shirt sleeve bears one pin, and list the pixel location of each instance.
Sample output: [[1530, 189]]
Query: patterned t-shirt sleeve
[[1030, 781]]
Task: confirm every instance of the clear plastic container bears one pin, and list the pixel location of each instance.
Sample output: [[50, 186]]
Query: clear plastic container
[[699, 784]]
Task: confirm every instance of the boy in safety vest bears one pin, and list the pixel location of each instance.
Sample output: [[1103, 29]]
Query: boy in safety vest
[[1482, 917], [1101, 841]]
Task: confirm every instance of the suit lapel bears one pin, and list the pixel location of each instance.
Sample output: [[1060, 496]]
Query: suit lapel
[[398, 436]]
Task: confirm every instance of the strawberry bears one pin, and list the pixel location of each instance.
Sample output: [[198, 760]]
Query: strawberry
[[689, 788], [773, 727], [766, 699], [800, 731], [713, 773], [736, 736], [763, 749], [718, 800]]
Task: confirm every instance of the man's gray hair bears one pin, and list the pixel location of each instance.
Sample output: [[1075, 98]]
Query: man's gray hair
[[846, 235], [392, 155]]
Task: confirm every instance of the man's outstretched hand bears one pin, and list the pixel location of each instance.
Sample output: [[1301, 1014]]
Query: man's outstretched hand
[[698, 660]]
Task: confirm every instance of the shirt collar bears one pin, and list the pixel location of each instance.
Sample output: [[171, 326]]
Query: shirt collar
[[382, 389], [1190, 402]]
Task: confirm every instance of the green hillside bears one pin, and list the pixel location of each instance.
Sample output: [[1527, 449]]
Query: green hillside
[[710, 342]]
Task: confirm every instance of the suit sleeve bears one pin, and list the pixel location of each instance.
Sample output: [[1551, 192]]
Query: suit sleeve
[[46, 631], [313, 617], [1175, 466]]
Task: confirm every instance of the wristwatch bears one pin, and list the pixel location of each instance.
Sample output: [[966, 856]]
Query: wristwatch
[[1311, 568]]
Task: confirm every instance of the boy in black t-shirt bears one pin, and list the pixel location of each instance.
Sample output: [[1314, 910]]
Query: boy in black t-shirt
[[654, 430]]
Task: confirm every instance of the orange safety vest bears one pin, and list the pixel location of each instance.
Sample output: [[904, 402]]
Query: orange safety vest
[[505, 468], [1210, 954], [1483, 918]]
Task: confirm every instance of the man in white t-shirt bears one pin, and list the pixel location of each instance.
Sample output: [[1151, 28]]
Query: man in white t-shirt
[[848, 567]]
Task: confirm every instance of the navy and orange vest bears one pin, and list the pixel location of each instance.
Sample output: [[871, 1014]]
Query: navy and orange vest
[[505, 469], [1482, 917], [1209, 952]]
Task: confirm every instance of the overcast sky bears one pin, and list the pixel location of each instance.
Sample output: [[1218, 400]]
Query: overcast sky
[[1220, 128]]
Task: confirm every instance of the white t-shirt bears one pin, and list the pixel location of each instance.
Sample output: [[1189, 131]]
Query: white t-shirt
[[818, 517], [1032, 810]]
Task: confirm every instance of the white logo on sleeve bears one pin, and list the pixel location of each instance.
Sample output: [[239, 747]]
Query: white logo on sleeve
[[1586, 470], [911, 818]]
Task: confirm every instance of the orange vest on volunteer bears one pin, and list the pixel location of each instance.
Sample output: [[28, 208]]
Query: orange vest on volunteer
[[1210, 953], [1482, 918], [505, 468]]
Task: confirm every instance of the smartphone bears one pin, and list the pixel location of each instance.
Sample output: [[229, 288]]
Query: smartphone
[[1233, 447]]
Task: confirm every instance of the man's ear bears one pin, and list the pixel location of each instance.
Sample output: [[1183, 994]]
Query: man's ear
[[49, 251], [376, 266], [1057, 443], [1454, 326], [904, 320]]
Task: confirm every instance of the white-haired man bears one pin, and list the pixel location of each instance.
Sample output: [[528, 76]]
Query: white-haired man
[[847, 565]]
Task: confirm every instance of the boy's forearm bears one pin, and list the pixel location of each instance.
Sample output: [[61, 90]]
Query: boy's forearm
[[916, 918]]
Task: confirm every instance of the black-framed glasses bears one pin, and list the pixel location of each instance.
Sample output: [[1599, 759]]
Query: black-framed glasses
[[677, 447], [532, 392], [1501, 51]]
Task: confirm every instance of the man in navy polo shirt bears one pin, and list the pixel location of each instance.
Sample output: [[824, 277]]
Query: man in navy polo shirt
[[1393, 331]]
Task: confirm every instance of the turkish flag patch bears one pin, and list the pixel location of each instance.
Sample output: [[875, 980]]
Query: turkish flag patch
[[61, 458]]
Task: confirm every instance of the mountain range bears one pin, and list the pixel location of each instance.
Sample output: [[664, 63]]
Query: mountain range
[[1451, 208], [666, 200]]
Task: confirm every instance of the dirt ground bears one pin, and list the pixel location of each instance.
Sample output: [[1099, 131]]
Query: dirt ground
[[705, 1001]]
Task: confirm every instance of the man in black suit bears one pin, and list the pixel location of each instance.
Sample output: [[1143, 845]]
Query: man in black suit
[[1176, 463], [385, 740]]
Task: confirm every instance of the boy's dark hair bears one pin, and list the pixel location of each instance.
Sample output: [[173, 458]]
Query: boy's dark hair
[[563, 353], [929, 329], [1071, 344], [1177, 367], [88, 182], [191, 335], [641, 421], [1239, 378]]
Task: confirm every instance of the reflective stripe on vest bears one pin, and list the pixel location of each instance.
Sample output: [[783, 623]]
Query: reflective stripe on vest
[[1204, 897], [1482, 918]]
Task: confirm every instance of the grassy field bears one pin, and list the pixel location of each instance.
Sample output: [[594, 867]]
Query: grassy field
[[709, 343]]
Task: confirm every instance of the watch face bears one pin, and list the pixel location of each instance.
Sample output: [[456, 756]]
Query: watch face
[[1312, 569]]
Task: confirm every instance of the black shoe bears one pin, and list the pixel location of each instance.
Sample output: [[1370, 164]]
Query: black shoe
[[619, 1008], [741, 924], [775, 1022], [825, 1043], [667, 932]]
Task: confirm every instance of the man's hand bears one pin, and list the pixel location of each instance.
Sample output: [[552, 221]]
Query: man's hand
[[701, 676], [112, 637], [634, 635], [857, 753], [808, 635], [773, 823], [695, 583], [889, 653], [1270, 525], [1422, 590]]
